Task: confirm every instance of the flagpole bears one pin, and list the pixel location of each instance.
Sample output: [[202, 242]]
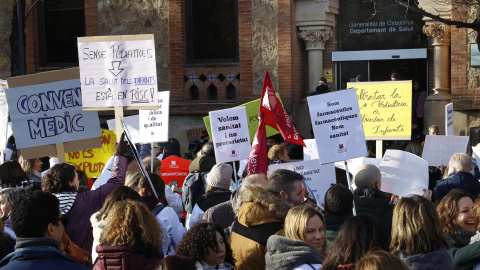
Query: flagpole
[[151, 159], [350, 187], [235, 173]]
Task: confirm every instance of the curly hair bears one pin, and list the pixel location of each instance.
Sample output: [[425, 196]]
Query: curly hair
[[198, 239], [12, 174], [296, 223], [129, 222], [120, 193], [59, 177], [448, 209]]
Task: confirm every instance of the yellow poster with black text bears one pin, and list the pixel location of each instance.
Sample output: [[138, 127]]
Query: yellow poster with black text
[[93, 161], [385, 108]]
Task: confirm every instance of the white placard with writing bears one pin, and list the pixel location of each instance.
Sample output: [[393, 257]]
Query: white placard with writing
[[118, 73], [132, 122], [354, 163], [439, 149], [337, 126], [403, 173], [449, 120], [3, 115], [231, 139], [319, 178], [310, 150], [50, 113], [154, 123]]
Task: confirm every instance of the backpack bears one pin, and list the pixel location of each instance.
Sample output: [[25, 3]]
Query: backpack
[[157, 209], [72, 250], [193, 187]]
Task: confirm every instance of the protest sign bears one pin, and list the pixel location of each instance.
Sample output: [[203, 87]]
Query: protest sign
[[47, 116], [132, 122], [403, 173], [354, 163], [385, 108], [230, 134], [438, 150], [476, 153], [318, 178], [337, 126], [118, 71], [252, 109], [449, 120], [310, 150], [154, 123], [93, 161], [3, 115]]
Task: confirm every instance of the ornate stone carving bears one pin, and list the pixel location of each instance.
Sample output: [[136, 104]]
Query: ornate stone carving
[[439, 32], [315, 38]]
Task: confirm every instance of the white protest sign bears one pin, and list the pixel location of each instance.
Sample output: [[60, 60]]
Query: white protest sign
[[403, 173], [354, 163], [319, 178], [50, 113], [3, 115], [231, 139], [438, 150], [310, 150], [132, 122], [337, 126], [476, 152], [449, 120], [118, 71], [154, 123]]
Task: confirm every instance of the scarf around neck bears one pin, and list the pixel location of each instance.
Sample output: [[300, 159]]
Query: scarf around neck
[[462, 236]]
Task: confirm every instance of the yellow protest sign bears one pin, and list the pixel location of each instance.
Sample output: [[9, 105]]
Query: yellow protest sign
[[252, 108], [385, 108], [93, 161]]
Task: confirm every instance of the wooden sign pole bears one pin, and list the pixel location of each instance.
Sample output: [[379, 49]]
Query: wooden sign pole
[[379, 150], [61, 153], [118, 123]]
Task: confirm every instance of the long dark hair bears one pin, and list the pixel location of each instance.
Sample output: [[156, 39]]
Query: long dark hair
[[357, 236], [12, 174]]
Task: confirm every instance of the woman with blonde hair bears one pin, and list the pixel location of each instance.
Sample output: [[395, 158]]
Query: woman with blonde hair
[[304, 245], [131, 238], [33, 168], [417, 236]]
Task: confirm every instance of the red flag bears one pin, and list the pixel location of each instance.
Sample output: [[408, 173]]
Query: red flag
[[275, 116], [258, 160]]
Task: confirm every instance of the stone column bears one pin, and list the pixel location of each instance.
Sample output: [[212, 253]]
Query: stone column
[[315, 39], [435, 104]]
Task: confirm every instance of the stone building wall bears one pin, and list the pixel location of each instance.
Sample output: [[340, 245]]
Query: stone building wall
[[6, 16]]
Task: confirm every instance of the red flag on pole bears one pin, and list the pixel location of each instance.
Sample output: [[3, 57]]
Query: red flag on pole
[[271, 113]]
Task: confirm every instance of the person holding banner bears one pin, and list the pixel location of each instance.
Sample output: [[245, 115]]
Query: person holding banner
[[62, 181]]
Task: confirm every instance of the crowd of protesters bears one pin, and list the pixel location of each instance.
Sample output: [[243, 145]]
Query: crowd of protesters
[[198, 214]]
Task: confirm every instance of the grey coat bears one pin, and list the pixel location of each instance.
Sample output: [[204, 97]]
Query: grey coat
[[285, 254]]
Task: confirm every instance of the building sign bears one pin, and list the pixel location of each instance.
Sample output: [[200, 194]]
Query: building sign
[[378, 25]]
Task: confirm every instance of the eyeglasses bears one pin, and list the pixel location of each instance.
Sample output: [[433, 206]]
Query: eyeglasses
[[63, 219]]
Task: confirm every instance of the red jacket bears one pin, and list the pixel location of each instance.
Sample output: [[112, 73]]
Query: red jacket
[[123, 258]]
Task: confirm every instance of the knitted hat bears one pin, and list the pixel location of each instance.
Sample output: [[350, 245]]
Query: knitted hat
[[220, 176]]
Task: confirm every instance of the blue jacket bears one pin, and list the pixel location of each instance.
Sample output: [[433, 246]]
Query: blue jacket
[[461, 180], [39, 254]]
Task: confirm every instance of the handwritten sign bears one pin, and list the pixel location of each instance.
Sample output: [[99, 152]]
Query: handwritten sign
[[118, 71], [318, 178], [3, 115], [50, 113], [337, 126], [449, 119], [154, 123], [403, 173], [132, 122], [230, 134], [252, 109], [385, 108], [93, 161], [438, 150]]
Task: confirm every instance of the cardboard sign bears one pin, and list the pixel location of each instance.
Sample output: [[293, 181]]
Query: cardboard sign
[[3, 116], [449, 120], [403, 173], [230, 134], [385, 108], [319, 178], [93, 161], [337, 126], [118, 71], [46, 109], [132, 122], [252, 108], [438, 150], [310, 151], [154, 123]]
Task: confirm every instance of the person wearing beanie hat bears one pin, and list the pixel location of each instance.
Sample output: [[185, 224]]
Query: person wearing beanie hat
[[218, 184]]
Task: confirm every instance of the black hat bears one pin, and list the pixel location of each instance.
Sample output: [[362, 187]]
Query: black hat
[[323, 79]]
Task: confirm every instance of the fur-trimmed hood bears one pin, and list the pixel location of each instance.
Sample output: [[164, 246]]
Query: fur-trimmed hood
[[258, 206], [98, 225]]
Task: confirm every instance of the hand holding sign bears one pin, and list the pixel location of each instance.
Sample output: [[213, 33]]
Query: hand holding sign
[[122, 146]]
